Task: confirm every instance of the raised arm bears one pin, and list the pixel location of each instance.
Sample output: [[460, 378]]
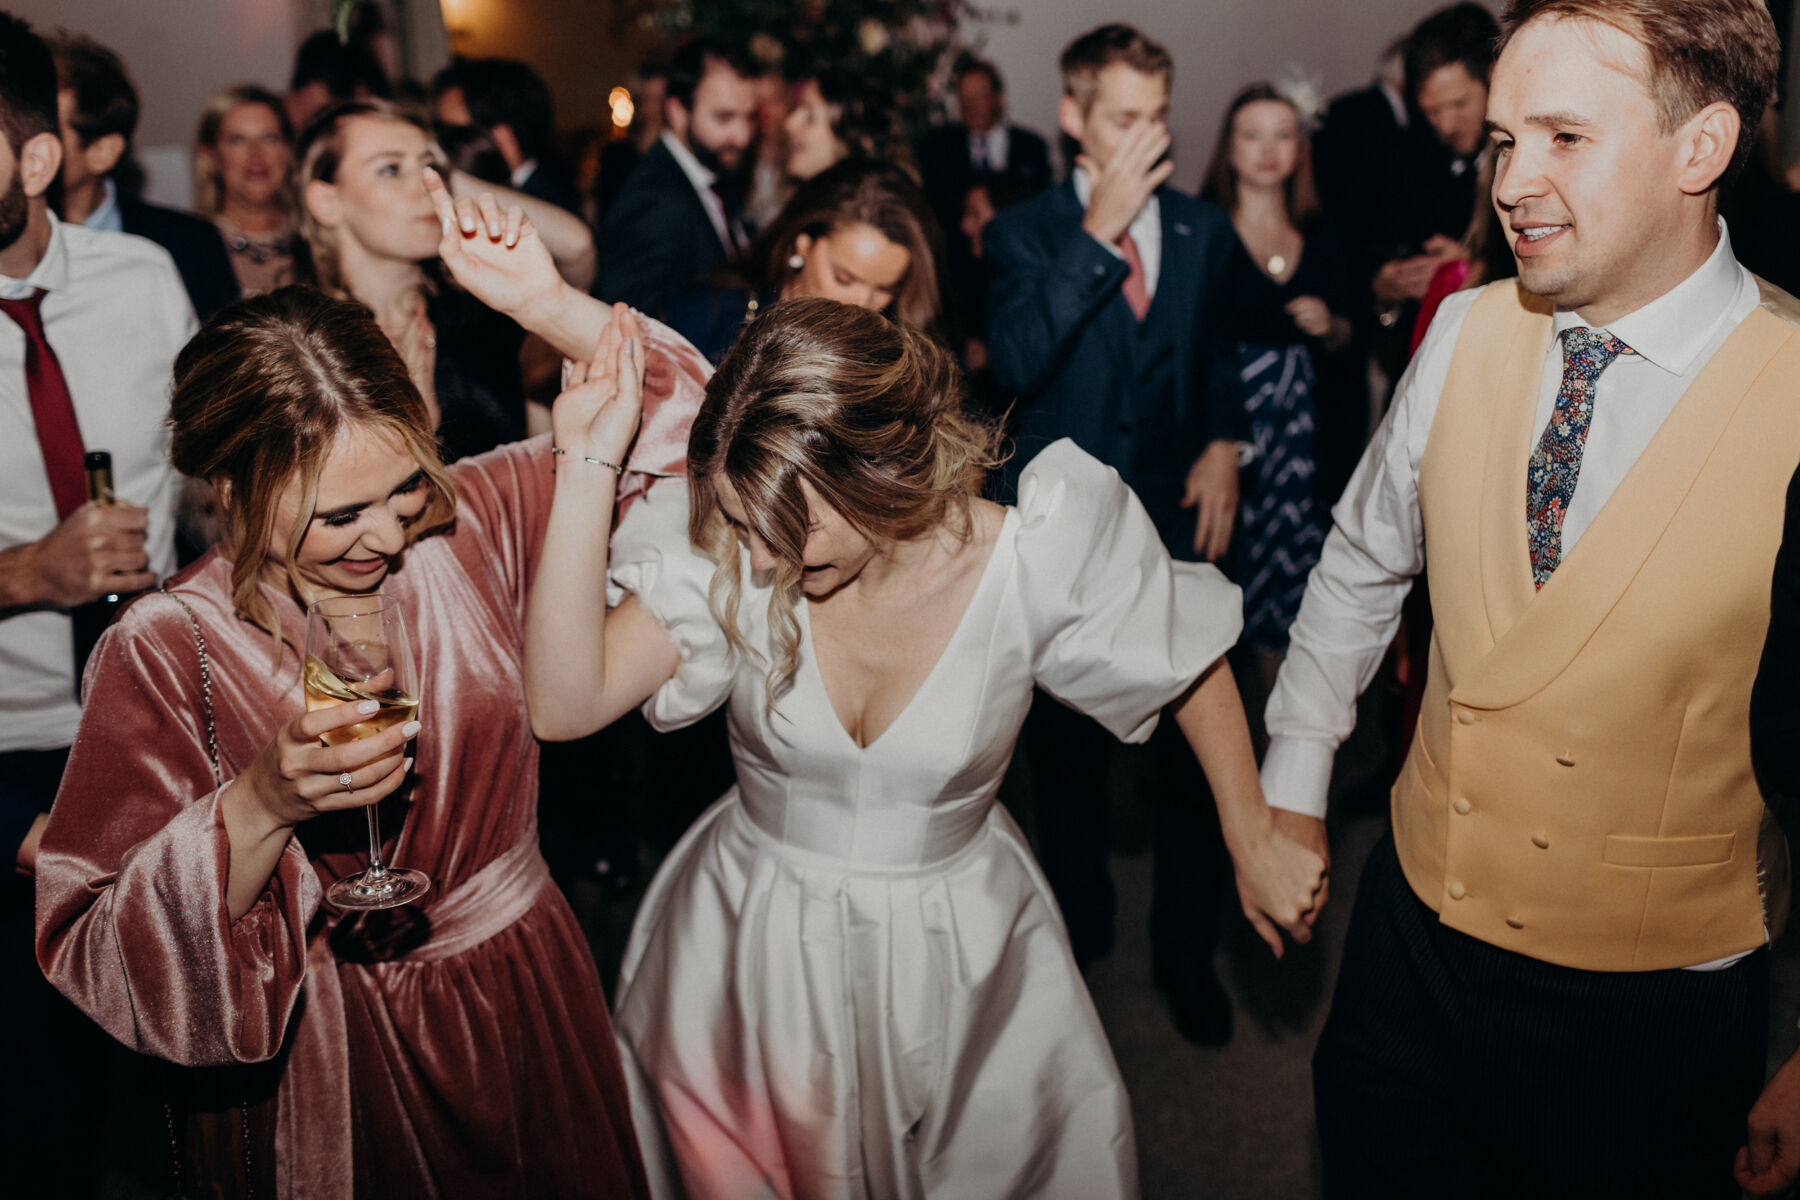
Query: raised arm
[[565, 236], [500, 257], [584, 666]]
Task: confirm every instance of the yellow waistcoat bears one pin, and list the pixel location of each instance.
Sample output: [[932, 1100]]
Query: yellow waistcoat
[[1580, 787]]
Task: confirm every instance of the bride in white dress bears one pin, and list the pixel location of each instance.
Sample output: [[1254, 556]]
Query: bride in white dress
[[849, 978]]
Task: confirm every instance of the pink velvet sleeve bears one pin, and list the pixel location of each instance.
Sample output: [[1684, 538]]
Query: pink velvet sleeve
[[131, 918]]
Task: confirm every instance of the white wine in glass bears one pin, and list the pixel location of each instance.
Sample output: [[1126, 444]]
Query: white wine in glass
[[356, 650]]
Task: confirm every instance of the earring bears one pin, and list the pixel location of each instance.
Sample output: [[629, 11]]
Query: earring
[[795, 261]]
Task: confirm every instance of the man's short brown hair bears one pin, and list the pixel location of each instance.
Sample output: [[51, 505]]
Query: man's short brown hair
[[1700, 51], [1092, 53]]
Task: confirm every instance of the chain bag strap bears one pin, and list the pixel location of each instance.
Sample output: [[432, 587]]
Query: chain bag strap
[[212, 754]]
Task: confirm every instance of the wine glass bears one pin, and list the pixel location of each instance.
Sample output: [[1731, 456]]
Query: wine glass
[[356, 650]]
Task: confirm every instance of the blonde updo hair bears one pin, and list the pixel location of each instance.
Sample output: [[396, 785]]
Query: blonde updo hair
[[261, 394], [868, 411]]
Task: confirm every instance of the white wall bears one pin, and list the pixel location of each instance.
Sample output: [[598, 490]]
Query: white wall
[[1218, 45]]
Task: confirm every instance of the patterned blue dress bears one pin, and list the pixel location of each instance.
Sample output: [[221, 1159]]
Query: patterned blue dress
[[1282, 520]]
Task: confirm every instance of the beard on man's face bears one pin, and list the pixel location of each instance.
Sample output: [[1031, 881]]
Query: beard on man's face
[[15, 213], [726, 162]]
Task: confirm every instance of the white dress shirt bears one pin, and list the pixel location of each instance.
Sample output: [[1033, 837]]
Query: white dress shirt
[[702, 179], [116, 314], [987, 151], [1145, 229], [1377, 542]]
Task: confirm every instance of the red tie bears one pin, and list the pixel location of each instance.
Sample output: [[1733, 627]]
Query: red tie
[[59, 437], [1137, 294]]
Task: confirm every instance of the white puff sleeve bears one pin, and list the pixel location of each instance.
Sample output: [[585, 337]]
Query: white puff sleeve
[[653, 559], [1117, 628]]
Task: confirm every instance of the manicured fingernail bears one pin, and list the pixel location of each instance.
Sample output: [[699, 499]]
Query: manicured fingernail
[[407, 765], [369, 707], [447, 226], [409, 729]]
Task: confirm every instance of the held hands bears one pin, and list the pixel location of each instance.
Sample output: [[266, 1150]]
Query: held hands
[[297, 777], [1212, 487], [602, 401], [97, 551], [497, 257], [1126, 181], [1281, 884]]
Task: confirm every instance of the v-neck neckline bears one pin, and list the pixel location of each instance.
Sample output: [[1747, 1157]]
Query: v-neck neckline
[[810, 651]]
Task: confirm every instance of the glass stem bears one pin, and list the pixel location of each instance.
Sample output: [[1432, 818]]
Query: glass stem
[[377, 870]]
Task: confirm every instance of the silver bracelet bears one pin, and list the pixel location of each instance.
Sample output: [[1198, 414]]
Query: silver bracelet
[[615, 468]]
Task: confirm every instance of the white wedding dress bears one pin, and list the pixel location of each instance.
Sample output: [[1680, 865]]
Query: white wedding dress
[[849, 979]]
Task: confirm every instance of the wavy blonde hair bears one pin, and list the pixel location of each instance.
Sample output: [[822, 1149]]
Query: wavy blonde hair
[[260, 396], [867, 411]]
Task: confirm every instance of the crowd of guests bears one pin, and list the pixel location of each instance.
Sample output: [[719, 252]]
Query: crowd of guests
[[779, 451]]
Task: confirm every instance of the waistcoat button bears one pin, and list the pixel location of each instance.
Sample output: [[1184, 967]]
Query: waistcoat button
[[1540, 841], [1515, 922], [1457, 891], [1465, 717], [1462, 806], [1566, 759]]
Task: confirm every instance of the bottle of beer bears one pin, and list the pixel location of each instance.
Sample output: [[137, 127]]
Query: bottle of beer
[[91, 619]]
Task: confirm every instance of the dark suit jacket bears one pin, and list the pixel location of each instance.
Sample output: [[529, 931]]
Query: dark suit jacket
[[1775, 700], [195, 245], [549, 181], [1060, 333], [944, 167], [656, 238]]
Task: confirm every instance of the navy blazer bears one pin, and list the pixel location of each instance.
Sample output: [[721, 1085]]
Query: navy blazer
[[656, 238], [1060, 334]]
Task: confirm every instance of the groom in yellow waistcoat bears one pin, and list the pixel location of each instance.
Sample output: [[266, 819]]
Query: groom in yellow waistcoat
[[1555, 980]]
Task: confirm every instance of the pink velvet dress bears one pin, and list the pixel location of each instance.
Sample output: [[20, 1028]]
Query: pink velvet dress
[[459, 1048]]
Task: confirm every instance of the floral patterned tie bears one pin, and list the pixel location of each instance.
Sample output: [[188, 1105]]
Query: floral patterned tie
[[1556, 463]]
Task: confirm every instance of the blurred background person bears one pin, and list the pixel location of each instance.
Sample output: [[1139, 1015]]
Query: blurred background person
[[677, 218], [1288, 295], [98, 109], [770, 184], [244, 182], [508, 102], [371, 234], [861, 232], [328, 68], [614, 160], [839, 113], [980, 144]]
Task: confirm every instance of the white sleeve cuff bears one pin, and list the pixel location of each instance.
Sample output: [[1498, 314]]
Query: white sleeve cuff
[[1296, 775]]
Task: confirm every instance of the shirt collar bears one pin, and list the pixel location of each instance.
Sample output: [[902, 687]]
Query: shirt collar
[[1671, 330], [51, 272], [106, 215], [699, 176]]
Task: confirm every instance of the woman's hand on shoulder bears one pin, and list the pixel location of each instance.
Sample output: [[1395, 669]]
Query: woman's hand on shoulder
[[297, 776], [602, 401], [496, 256]]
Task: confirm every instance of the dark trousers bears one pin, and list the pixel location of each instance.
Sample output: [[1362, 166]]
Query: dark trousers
[[1071, 759], [1450, 1067]]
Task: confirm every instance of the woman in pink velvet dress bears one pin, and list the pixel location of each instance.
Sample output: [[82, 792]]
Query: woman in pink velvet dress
[[456, 1048]]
